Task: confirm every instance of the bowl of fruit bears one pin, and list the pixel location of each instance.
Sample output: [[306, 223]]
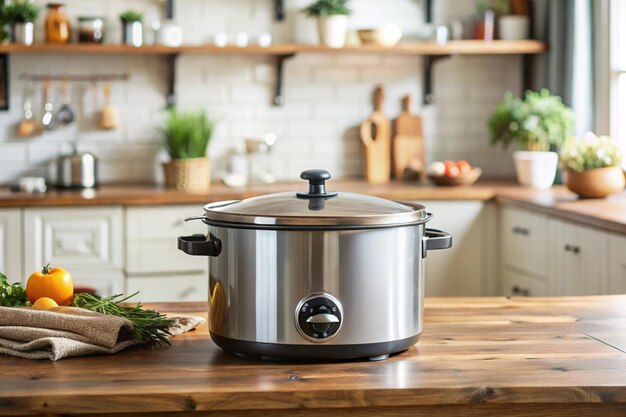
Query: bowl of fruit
[[451, 173]]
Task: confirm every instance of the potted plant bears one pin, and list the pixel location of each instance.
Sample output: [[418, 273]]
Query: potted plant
[[483, 27], [513, 25], [332, 21], [21, 15], [593, 166], [132, 28], [538, 123], [186, 140]]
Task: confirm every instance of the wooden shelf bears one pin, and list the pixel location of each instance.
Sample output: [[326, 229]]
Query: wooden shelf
[[463, 47]]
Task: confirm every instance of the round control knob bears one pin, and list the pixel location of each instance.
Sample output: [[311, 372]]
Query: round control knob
[[319, 317]]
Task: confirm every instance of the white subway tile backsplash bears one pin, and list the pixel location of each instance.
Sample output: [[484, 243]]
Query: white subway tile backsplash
[[327, 94]]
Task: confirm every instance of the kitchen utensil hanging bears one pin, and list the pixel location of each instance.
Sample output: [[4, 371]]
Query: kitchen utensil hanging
[[27, 126], [109, 116], [47, 120], [66, 113]]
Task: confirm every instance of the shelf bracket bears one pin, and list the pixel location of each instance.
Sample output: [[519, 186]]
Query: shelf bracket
[[171, 80], [427, 88], [279, 98], [169, 9], [279, 10]]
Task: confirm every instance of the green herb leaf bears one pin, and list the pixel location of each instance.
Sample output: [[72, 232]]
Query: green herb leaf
[[12, 295], [149, 326]]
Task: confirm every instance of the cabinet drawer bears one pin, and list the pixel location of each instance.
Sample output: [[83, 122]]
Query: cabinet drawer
[[11, 244], [524, 237], [161, 255], [516, 284], [75, 238], [105, 284], [170, 288], [163, 222]]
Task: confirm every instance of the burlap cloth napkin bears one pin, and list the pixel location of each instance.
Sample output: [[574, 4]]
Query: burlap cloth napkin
[[68, 331]]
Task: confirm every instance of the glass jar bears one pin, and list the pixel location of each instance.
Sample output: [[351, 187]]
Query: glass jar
[[90, 29], [58, 28]]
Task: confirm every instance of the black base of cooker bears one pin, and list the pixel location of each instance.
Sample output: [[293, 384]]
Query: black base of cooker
[[372, 351]]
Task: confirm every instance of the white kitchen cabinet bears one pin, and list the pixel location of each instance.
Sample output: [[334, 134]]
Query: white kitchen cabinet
[[105, 283], [86, 241], [617, 264], [578, 259], [11, 244], [171, 288], [465, 269], [516, 284], [524, 241], [155, 267]]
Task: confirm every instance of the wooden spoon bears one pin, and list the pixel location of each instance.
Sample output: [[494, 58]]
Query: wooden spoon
[[110, 116]]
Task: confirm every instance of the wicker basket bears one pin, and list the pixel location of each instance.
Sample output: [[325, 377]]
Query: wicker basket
[[189, 175]]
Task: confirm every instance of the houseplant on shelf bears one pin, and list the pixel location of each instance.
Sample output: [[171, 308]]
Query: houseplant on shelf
[[21, 15], [332, 21], [186, 140], [132, 28], [593, 166], [513, 24], [538, 123]]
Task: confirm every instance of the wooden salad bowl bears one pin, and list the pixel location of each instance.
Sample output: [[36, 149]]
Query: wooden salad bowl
[[462, 180]]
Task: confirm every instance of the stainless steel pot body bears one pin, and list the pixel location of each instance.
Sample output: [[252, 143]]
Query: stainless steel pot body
[[260, 277], [78, 170]]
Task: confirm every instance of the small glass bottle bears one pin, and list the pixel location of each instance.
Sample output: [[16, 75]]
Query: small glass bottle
[[58, 28], [90, 29]]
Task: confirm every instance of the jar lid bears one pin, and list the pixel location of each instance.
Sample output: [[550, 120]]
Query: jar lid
[[314, 209]]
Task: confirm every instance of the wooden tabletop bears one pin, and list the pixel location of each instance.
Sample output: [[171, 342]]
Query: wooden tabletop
[[477, 356]]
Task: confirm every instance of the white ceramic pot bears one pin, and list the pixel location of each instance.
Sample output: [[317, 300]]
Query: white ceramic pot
[[536, 169], [333, 30], [23, 33], [169, 34], [512, 28]]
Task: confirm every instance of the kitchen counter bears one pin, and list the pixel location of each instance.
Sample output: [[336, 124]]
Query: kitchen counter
[[608, 214], [478, 356]]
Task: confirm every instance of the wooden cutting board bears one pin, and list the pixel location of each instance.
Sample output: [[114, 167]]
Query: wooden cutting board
[[408, 143], [376, 136]]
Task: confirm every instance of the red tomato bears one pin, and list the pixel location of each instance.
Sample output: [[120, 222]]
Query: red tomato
[[452, 171], [464, 167]]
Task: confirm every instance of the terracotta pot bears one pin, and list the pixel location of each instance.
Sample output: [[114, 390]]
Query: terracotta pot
[[595, 183], [189, 175]]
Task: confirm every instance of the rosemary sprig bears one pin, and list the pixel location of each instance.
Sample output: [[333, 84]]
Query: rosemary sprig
[[149, 326]]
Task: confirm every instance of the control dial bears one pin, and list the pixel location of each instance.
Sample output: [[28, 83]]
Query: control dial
[[319, 317]]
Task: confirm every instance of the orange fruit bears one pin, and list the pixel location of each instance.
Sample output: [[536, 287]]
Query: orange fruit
[[45, 303]]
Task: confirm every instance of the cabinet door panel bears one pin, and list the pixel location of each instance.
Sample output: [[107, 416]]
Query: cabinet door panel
[[617, 264], [460, 270], [170, 288], [161, 255], [163, 222], [579, 259], [76, 238], [11, 244], [524, 240]]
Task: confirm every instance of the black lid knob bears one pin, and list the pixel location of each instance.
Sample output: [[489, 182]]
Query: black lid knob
[[317, 184]]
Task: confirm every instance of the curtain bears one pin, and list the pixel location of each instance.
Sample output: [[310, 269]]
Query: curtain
[[567, 69]]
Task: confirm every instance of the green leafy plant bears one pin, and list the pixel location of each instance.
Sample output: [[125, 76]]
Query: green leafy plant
[[20, 12], [327, 8], [499, 7], [149, 326], [590, 152], [130, 16], [187, 134], [12, 295], [535, 123]]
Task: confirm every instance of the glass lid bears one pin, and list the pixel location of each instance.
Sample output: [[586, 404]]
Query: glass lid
[[316, 208]]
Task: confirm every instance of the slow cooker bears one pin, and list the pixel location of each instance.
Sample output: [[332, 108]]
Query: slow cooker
[[315, 274]]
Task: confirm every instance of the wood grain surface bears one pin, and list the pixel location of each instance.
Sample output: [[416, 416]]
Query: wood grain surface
[[477, 356], [376, 137], [408, 143], [467, 47]]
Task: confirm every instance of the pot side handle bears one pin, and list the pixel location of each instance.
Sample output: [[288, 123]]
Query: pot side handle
[[200, 245], [435, 239]]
